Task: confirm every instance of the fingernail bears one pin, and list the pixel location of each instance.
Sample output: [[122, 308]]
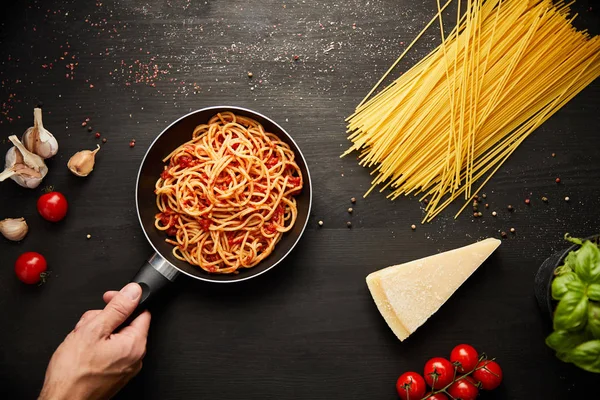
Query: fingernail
[[132, 290]]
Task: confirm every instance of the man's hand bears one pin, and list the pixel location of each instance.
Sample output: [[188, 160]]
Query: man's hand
[[93, 362]]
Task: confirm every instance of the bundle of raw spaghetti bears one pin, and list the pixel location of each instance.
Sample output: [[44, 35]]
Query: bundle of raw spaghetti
[[457, 115]]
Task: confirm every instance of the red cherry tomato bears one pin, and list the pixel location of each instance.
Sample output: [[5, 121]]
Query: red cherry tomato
[[30, 267], [465, 357], [411, 386], [52, 206], [490, 374], [463, 389], [437, 396], [438, 372]]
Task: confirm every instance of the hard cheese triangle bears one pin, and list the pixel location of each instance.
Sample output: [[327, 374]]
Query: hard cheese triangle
[[408, 294]]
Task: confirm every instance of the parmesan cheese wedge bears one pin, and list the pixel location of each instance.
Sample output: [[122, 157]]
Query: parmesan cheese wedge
[[408, 294]]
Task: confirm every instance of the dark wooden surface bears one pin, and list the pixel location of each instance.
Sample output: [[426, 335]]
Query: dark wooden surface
[[308, 329]]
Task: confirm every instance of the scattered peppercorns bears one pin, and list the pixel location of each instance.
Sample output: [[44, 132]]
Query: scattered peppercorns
[[527, 201], [349, 224], [503, 234], [132, 144], [350, 210], [353, 200], [512, 230], [320, 223], [97, 135], [510, 208], [480, 214], [104, 140], [413, 227], [90, 129], [567, 198], [494, 213], [89, 236], [296, 58], [553, 154], [484, 196], [557, 180], [487, 205], [84, 124], [250, 74]]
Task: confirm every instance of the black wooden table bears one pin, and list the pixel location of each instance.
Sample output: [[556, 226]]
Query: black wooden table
[[308, 329]]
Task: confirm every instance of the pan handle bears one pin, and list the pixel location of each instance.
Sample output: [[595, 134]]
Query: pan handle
[[155, 274]]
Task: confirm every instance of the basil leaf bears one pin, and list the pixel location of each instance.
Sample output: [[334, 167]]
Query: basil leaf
[[593, 291], [586, 262], [594, 319], [559, 284], [563, 341], [587, 356], [575, 286], [571, 312]]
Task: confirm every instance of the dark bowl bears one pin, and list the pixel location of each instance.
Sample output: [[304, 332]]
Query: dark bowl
[[545, 274], [180, 132]]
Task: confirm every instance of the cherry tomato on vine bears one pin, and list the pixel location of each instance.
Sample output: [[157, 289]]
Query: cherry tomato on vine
[[490, 374], [463, 389], [411, 386], [437, 396], [52, 206], [31, 267], [465, 357], [438, 372]]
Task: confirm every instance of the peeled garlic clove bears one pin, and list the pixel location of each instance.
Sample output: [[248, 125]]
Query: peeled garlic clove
[[37, 139], [82, 162], [14, 229]]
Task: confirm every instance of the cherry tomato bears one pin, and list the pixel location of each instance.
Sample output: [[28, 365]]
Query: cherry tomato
[[465, 357], [490, 375], [411, 386], [437, 396], [52, 206], [463, 389], [438, 372], [30, 267]]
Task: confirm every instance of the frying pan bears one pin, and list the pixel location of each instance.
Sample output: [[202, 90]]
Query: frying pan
[[162, 267]]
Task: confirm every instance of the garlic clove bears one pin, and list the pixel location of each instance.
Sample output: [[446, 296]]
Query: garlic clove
[[14, 229], [32, 160], [37, 139], [17, 169], [82, 162]]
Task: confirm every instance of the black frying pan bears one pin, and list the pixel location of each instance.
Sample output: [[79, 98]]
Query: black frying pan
[[162, 267]]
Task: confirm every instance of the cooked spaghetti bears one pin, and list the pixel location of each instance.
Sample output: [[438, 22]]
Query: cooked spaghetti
[[227, 196]]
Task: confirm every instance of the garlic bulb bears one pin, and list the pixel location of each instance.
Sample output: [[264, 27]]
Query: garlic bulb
[[22, 166], [14, 229], [37, 139], [82, 162]]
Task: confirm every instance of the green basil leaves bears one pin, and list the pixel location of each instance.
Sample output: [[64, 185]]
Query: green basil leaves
[[576, 336]]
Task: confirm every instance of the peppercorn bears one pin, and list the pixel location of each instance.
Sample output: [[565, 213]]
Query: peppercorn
[[250, 74], [480, 214], [97, 135], [510, 208], [484, 196], [349, 224], [320, 223], [413, 227], [494, 213], [475, 214], [90, 129], [503, 234], [350, 210], [545, 199], [131, 144], [487, 205], [512, 230], [527, 201], [353, 200], [83, 123], [567, 198], [557, 180]]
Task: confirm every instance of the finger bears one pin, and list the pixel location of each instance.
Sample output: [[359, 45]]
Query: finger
[[86, 317], [139, 326], [117, 310], [108, 296]]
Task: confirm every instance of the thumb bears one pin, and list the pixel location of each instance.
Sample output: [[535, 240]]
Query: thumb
[[117, 310]]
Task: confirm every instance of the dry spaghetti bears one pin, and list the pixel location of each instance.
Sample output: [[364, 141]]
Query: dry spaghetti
[[227, 196], [458, 114]]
